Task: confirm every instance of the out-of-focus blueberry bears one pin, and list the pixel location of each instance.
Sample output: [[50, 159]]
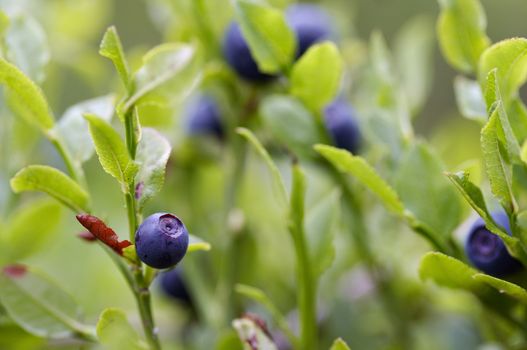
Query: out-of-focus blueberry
[[238, 55], [342, 125], [203, 117], [487, 252], [310, 23]]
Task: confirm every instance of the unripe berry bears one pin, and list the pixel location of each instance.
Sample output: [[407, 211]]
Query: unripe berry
[[310, 23], [203, 117], [174, 286], [161, 241], [340, 121], [238, 55], [487, 252]]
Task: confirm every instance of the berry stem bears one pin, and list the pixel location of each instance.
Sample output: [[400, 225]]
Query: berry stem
[[140, 285], [74, 171]]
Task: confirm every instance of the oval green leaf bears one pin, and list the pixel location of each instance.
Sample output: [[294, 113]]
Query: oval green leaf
[[53, 182]]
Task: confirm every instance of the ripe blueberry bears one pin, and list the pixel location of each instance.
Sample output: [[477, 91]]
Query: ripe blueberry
[[203, 117], [161, 241], [173, 285], [340, 121], [310, 23], [487, 252], [237, 53]]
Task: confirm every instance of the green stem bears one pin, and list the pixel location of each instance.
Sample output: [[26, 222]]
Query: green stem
[[306, 294], [131, 139], [74, 171], [140, 286], [306, 280]]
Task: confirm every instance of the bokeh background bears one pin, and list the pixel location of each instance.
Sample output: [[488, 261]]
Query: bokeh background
[[76, 72]]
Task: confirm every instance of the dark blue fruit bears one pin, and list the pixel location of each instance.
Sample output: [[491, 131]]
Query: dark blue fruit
[[203, 117], [340, 121], [161, 241], [487, 252], [237, 53], [310, 23], [173, 285]]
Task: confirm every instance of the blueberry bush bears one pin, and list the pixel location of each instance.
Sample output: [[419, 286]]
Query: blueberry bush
[[261, 179]]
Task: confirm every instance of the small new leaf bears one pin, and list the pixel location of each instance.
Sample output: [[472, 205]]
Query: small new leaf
[[498, 170], [112, 48], [315, 78], [112, 152]]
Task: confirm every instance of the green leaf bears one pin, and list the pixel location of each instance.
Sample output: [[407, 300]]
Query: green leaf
[[388, 95], [290, 123], [420, 171], [40, 306], [112, 152], [169, 72], [278, 181], [112, 48], [470, 99], [115, 332], [196, 244], [73, 128], [461, 30], [495, 105], [24, 97], [271, 41], [21, 238], [315, 78], [249, 332], [53, 182], [509, 58], [152, 157], [449, 272], [413, 52], [362, 171], [321, 224], [339, 344], [509, 288], [498, 171], [474, 197], [27, 47]]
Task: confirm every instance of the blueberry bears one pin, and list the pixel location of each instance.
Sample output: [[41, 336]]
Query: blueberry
[[174, 286], [203, 117], [340, 121], [237, 53], [487, 252], [161, 241], [310, 23]]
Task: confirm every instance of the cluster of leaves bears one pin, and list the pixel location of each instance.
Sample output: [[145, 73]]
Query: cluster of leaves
[[488, 93], [318, 192], [29, 298]]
